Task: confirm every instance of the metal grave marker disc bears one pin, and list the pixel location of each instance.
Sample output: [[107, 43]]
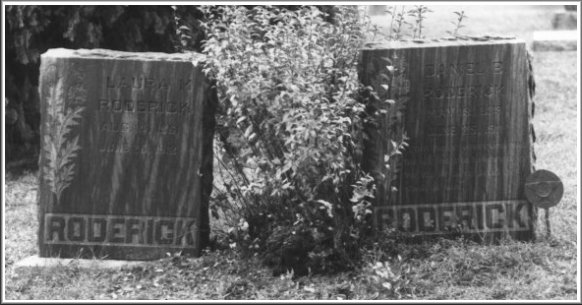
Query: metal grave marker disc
[[544, 189]]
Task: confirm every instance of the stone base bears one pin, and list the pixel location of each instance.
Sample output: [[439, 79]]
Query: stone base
[[49, 262], [565, 20], [555, 41]]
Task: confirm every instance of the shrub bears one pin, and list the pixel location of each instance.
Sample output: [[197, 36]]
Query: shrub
[[290, 129]]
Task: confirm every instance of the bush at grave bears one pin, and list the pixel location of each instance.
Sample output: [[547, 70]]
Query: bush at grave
[[290, 123]]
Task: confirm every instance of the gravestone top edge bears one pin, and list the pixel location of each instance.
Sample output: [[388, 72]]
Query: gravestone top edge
[[444, 42], [106, 54]]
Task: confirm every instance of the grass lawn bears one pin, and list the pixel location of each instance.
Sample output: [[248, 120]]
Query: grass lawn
[[517, 20], [440, 270]]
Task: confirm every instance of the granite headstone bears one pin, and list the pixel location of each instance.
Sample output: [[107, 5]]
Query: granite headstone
[[126, 159], [467, 115]]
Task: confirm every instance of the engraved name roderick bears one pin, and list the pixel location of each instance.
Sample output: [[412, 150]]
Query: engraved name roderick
[[119, 230], [466, 217]]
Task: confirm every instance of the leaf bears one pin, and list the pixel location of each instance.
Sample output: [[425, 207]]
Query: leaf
[[248, 131], [241, 119]]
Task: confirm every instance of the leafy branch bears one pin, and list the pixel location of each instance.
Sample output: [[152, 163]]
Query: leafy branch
[[460, 17], [419, 13]]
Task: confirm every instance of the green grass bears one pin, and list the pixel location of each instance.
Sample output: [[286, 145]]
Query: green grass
[[440, 270]]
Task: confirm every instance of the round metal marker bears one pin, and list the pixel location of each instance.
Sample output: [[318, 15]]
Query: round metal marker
[[543, 189]]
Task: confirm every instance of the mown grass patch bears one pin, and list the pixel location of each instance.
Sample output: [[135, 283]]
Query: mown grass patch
[[438, 270]]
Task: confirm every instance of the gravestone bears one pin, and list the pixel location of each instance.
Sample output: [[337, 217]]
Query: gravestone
[[467, 115], [126, 159]]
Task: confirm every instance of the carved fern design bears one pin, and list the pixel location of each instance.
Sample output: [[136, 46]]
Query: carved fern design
[[60, 149]]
